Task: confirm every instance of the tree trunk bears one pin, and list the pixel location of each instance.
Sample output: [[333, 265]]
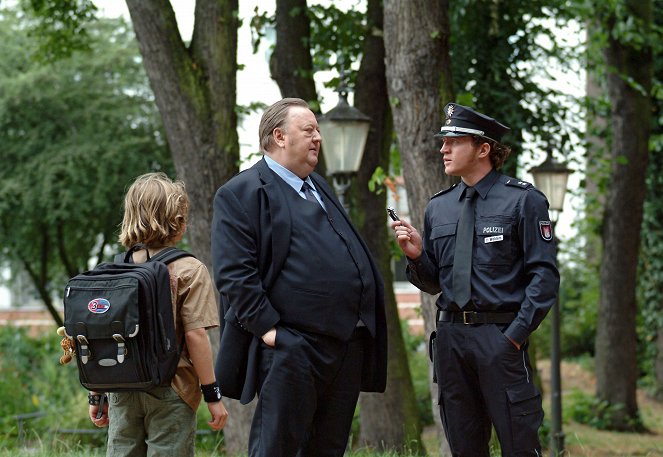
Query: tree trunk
[[195, 91], [291, 65], [629, 85], [416, 37], [389, 421]]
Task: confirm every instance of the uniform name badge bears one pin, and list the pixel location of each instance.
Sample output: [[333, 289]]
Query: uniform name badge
[[492, 239]]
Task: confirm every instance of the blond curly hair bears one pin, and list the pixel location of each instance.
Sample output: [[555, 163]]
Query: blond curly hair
[[155, 211]]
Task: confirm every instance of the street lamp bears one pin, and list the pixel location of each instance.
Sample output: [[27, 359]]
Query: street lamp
[[344, 130], [551, 178]]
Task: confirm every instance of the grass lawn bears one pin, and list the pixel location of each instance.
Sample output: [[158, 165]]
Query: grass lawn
[[585, 441], [580, 440]]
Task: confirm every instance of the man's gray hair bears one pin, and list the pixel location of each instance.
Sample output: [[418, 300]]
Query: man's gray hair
[[275, 117]]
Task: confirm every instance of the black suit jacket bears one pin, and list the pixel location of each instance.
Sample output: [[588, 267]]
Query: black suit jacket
[[250, 241]]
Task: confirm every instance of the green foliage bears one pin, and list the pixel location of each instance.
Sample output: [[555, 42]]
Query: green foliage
[[377, 180], [337, 38], [61, 28], [587, 409], [579, 293], [53, 450], [650, 278], [417, 350], [497, 49], [32, 380], [74, 133], [579, 299], [369, 453]]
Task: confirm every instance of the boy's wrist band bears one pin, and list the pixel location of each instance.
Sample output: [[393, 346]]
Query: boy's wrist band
[[211, 392], [94, 399]]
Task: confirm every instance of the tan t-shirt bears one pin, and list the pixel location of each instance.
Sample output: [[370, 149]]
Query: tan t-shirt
[[194, 306]]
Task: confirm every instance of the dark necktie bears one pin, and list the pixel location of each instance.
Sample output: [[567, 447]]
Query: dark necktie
[[462, 268], [308, 193]]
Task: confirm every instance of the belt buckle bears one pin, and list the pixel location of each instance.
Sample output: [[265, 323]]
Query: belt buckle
[[467, 317]]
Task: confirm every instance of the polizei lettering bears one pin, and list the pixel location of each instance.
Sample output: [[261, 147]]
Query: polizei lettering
[[493, 230]]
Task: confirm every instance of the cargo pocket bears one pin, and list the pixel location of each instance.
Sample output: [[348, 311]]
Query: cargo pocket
[[526, 416]]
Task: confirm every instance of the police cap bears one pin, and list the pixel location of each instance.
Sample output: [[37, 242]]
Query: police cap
[[463, 121]]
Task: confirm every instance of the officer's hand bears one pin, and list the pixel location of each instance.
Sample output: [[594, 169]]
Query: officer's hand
[[514, 342], [408, 238]]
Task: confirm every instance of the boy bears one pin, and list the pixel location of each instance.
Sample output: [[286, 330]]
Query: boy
[[163, 420]]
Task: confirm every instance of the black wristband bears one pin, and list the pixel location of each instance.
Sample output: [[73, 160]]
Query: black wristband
[[94, 399], [211, 392]]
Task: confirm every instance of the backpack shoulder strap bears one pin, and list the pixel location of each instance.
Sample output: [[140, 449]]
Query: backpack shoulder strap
[[169, 255]]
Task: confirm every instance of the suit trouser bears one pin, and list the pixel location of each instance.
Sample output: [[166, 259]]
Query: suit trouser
[[309, 386], [484, 379]]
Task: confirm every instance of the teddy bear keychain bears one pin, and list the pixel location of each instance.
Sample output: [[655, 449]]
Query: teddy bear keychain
[[68, 346]]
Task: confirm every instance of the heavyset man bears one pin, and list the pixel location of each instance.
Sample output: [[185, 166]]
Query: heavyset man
[[293, 271]]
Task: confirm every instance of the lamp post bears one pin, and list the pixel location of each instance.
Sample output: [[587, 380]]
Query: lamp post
[[551, 178], [344, 130]]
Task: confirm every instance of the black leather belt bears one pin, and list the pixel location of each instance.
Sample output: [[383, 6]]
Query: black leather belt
[[474, 317]]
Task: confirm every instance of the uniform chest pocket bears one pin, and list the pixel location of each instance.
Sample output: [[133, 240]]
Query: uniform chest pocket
[[443, 238], [494, 242]]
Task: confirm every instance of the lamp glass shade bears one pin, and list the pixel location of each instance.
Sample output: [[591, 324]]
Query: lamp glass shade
[[553, 185], [343, 142]]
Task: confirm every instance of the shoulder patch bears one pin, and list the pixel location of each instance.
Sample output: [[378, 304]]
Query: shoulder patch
[[517, 183], [444, 191]]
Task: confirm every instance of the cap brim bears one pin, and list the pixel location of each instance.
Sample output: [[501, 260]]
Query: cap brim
[[443, 134]]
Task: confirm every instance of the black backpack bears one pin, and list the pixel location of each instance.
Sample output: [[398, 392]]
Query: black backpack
[[121, 316]]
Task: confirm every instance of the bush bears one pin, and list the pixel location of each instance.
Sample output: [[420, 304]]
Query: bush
[[587, 409], [33, 381], [417, 352], [578, 298]]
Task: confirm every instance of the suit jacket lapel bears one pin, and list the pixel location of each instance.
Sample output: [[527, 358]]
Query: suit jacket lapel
[[280, 223]]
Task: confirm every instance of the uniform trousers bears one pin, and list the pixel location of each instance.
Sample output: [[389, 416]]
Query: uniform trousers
[[484, 379], [308, 390]]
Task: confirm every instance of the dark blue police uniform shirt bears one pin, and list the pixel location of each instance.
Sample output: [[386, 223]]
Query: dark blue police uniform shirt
[[513, 264]]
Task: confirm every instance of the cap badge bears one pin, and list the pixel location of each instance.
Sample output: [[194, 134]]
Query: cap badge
[[450, 110]]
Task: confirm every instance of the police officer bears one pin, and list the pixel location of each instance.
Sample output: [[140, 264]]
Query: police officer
[[488, 247]]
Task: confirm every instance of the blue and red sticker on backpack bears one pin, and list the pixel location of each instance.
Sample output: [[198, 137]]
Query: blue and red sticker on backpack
[[98, 305]]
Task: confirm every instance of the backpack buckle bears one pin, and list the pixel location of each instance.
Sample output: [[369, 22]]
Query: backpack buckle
[[121, 350], [85, 352]]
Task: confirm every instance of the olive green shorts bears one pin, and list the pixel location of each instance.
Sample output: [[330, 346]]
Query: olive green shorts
[[152, 424]]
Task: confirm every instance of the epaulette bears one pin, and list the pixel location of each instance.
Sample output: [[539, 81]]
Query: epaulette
[[517, 183], [444, 191]]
